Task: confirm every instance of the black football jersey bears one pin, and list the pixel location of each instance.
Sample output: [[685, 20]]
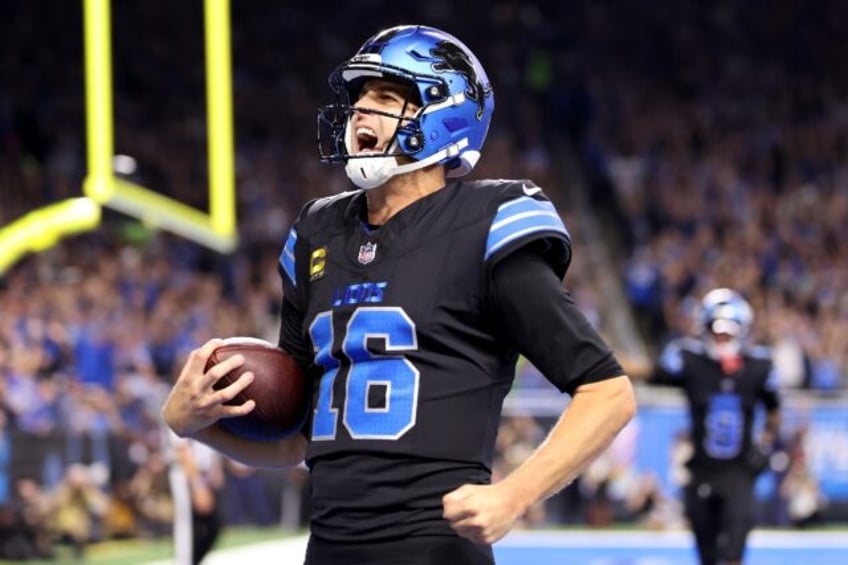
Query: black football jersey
[[397, 326], [722, 406]]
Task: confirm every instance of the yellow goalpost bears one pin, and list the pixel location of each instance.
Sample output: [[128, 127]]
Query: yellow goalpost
[[215, 228]]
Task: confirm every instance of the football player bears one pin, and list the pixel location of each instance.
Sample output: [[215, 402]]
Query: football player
[[724, 380], [409, 300]]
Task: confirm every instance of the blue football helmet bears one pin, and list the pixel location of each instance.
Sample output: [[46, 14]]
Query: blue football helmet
[[448, 83], [724, 311]]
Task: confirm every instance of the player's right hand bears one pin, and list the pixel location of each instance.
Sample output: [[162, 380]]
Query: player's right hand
[[193, 404]]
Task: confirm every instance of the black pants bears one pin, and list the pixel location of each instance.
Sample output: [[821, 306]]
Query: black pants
[[425, 550], [205, 530], [720, 508]]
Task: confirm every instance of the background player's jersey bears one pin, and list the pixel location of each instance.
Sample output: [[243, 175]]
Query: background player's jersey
[[410, 374], [722, 406]]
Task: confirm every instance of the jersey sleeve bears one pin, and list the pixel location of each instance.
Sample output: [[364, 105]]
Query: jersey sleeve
[[674, 361], [293, 264], [670, 365], [288, 261], [292, 272], [539, 317], [770, 392], [524, 217], [299, 264]]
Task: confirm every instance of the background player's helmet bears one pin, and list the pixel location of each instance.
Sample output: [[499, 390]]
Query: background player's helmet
[[448, 82], [724, 311]]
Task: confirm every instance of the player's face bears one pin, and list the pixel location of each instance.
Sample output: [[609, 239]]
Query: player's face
[[374, 132]]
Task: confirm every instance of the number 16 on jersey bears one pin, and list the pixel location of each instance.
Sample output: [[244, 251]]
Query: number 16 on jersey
[[381, 390]]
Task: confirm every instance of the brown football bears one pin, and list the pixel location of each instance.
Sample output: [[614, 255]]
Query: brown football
[[279, 389]]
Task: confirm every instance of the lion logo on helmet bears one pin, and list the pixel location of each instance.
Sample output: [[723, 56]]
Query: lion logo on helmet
[[454, 59]]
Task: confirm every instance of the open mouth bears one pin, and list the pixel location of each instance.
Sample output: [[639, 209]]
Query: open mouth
[[366, 140]]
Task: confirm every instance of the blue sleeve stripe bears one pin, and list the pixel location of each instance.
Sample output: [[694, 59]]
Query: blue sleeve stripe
[[772, 381], [521, 217], [287, 257], [671, 360], [522, 204], [506, 225]]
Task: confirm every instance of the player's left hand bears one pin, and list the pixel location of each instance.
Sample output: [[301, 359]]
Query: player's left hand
[[481, 513]]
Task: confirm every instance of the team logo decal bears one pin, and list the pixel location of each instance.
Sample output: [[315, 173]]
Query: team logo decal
[[451, 58], [367, 253], [317, 263]]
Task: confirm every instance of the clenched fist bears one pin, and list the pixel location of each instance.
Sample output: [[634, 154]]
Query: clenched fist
[[482, 513]]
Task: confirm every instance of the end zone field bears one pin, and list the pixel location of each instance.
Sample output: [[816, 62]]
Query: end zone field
[[597, 548], [239, 546]]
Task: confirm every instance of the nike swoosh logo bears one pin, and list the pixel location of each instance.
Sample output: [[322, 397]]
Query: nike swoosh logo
[[530, 191]]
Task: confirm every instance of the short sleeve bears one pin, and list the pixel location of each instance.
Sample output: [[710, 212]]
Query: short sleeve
[[529, 218]]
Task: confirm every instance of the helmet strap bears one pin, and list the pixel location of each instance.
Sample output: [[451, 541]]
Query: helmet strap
[[371, 172]]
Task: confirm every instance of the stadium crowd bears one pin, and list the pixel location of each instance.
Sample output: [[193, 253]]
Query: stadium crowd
[[730, 166], [716, 135]]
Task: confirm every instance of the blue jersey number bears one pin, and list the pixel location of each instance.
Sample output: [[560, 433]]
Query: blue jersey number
[[724, 426], [381, 396]]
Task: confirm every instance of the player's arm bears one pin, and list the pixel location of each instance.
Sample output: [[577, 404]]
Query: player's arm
[[551, 331], [282, 453], [484, 514], [543, 322], [670, 366], [194, 406], [770, 397], [771, 427], [758, 458]]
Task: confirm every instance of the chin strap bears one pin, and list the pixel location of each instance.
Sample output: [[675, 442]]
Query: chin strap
[[371, 172]]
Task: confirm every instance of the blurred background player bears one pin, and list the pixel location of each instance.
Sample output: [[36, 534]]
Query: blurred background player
[[196, 478], [409, 300], [724, 379]]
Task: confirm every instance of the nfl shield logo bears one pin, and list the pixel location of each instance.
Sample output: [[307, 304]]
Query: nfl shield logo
[[367, 252]]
